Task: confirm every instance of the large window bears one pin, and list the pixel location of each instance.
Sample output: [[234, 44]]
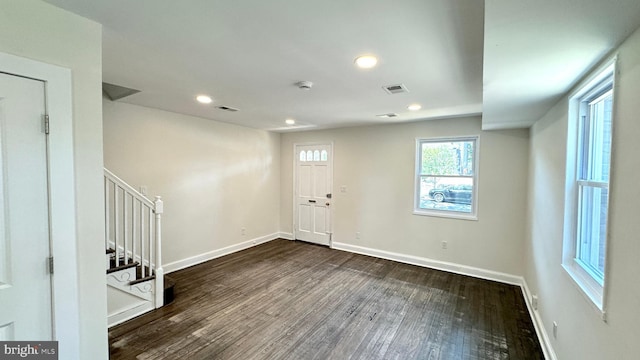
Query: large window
[[446, 177], [589, 159]]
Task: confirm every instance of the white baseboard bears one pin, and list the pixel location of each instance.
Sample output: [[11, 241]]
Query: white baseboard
[[198, 259], [129, 314], [543, 337], [433, 264], [286, 236]]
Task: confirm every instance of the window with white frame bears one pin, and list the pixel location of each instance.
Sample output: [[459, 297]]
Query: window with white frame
[[446, 177], [588, 173]]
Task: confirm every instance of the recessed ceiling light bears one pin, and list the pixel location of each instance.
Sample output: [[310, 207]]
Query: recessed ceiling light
[[204, 99], [290, 121], [414, 107], [366, 61]]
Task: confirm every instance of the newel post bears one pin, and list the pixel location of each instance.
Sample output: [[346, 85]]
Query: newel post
[[159, 208]]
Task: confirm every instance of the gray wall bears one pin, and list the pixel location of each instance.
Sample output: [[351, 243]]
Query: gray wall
[[582, 334], [377, 164], [39, 31], [215, 178]]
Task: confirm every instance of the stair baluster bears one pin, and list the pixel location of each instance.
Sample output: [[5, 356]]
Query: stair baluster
[[133, 232], [159, 271]]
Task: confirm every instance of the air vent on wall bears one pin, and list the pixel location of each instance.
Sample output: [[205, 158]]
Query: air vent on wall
[[395, 89], [389, 115], [226, 108]]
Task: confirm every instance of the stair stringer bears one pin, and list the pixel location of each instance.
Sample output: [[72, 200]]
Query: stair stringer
[[122, 280], [123, 306]]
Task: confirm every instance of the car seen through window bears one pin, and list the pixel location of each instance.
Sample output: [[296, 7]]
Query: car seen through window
[[461, 194]]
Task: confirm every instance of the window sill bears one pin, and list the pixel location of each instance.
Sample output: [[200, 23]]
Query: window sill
[[588, 286], [446, 214]]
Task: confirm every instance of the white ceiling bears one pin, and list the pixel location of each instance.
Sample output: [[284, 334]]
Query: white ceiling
[[535, 51], [248, 54]]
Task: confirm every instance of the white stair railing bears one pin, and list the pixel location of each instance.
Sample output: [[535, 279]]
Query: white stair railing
[[133, 230]]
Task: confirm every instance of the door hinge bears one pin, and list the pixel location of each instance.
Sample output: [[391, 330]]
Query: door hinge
[[50, 264], [46, 124]]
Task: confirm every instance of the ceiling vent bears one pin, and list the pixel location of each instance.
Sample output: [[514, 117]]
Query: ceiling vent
[[116, 92], [226, 108], [389, 115], [395, 89]]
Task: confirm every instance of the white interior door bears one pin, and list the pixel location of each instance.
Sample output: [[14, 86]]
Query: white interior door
[[313, 174], [25, 282]]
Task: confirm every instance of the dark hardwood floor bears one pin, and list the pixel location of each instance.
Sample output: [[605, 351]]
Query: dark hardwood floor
[[292, 300]]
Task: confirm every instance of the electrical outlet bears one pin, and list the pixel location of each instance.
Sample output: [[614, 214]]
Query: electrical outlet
[[357, 235], [243, 231], [534, 302], [343, 188], [555, 330], [444, 245]]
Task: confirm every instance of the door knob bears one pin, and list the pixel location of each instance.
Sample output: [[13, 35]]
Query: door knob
[[327, 204]]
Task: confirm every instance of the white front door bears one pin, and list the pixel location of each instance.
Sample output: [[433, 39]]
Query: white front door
[[25, 282], [313, 174]]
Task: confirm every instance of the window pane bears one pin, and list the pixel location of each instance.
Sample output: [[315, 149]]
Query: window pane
[[592, 229], [446, 193], [584, 245], [323, 155], [447, 158], [597, 139], [303, 156], [316, 155], [309, 155]]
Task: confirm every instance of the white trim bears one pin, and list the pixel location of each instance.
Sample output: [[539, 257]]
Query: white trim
[[432, 264], [445, 214], [473, 215], [65, 292], [543, 337], [286, 236], [198, 259], [587, 286], [604, 76], [294, 202], [136, 310], [598, 74], [122, 279]]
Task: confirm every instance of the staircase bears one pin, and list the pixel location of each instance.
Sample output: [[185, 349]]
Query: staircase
[[135, 279]]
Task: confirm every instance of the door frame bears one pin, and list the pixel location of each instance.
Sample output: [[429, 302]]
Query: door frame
[[295, 188], [62, 204]]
